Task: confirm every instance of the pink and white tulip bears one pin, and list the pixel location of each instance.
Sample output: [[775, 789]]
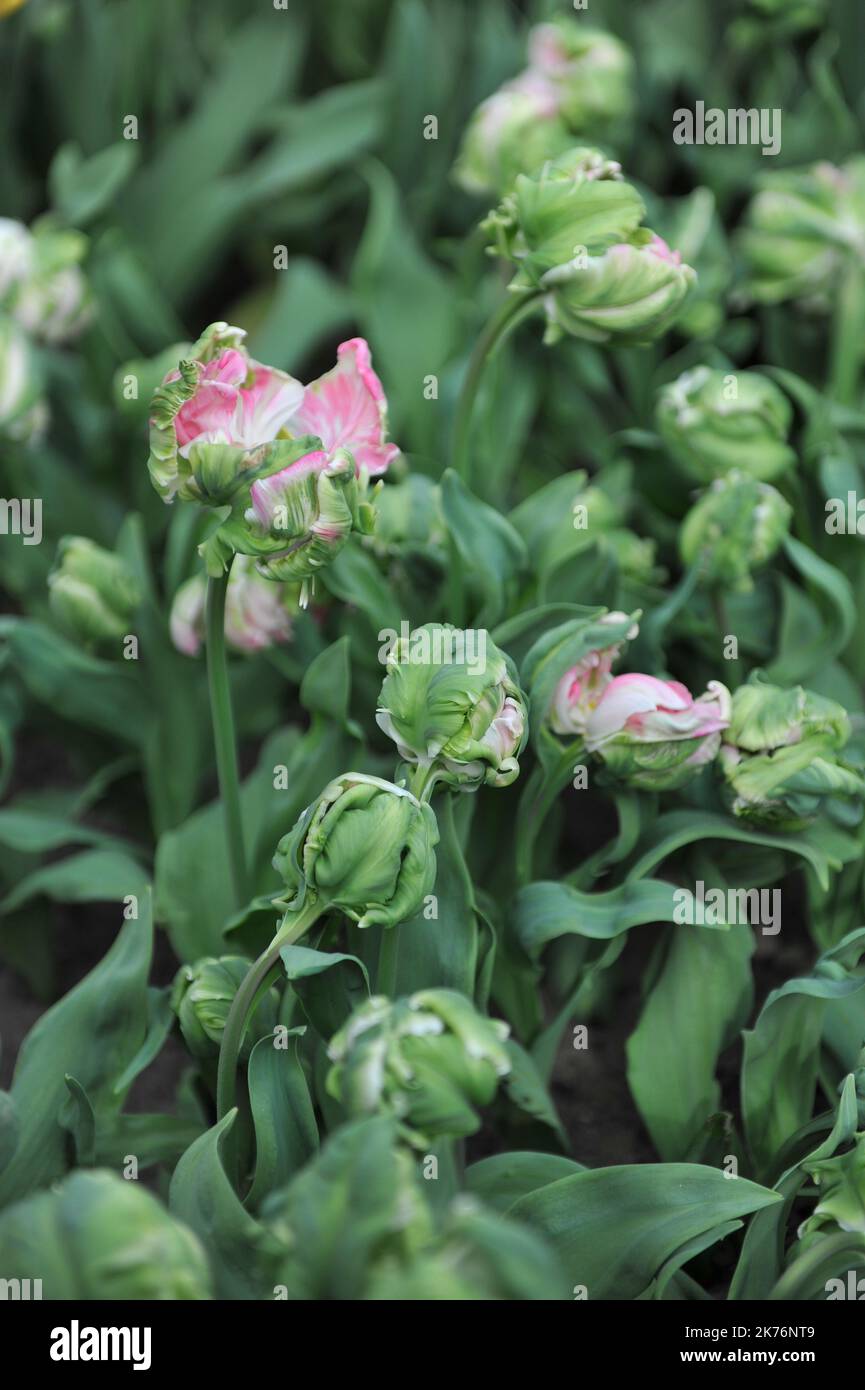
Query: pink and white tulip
[[649, 710], [257, 612], [581, 688]]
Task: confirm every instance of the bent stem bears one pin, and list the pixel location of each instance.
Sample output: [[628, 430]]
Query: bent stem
[[224, 740], [388, 958], [292, 928], [510, 312]]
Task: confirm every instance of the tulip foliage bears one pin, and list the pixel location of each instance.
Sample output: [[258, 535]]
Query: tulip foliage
[[432, 730]]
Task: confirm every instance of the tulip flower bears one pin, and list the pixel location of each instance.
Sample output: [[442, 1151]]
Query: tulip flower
[[632, 292], [93, 592], [578, 82], [840, 1184], [803, 227], [713, 421], [258, 613], [365, 847], [781, 755], [653, 734], [216, 397], [428, 1061], [580, 689], [23, 410], [451, 703], [736, 526], [99, 1237], [202, 997], [41, 281]]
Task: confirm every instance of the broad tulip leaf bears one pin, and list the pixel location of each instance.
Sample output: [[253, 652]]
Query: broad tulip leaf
[[286, 1133]]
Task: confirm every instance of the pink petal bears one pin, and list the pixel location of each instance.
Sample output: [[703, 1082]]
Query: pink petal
[[347, 408]]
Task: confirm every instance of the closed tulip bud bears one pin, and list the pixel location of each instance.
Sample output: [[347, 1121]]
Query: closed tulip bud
[[590, 72], [428, 1061], [51, 298], [258, 613], [513, 132], [653, 734], [575, 206], [98, 1237], [365, 847], [781, 755], [17, 256], [713, 422], [201, 998], [631, 293], [23, 411], [581, 688], [93, 592], [218, 396], [451, 703], [735, 527], [802, 229]]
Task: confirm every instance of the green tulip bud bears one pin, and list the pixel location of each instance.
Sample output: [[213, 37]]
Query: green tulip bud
[[93, 592], [513, 132], [632, 292], [736, 526], [366, 847], [23, 410], [781, 755], [459, 720], [97, 1236], [577, 205], [713, 421], [52, 300], [202, 996], [802, 229], [429, 1061]]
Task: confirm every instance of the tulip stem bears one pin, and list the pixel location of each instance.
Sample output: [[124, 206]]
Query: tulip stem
[[293, 926], [224, 740], [498, 326], [388, 957]]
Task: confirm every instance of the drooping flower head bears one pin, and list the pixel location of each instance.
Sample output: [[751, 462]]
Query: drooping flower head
[[734, 528], [653, 734], [366, 847], [713, 421], [202, 996], [452, 705], [428, 1060], [573, 232], [580, 689], [782, 755]]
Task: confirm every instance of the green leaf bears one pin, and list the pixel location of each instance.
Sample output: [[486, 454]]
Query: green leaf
[[97, 875], [525, 1086], [82, 188], [201, 1196], [329, 985], [93, 1033], [545, 911], [798, 660], [694, 1008], [326, 687], [286, 1133], [782, 1051], [614, 1229], [676, 829], [491, 550], [501, 1180]]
